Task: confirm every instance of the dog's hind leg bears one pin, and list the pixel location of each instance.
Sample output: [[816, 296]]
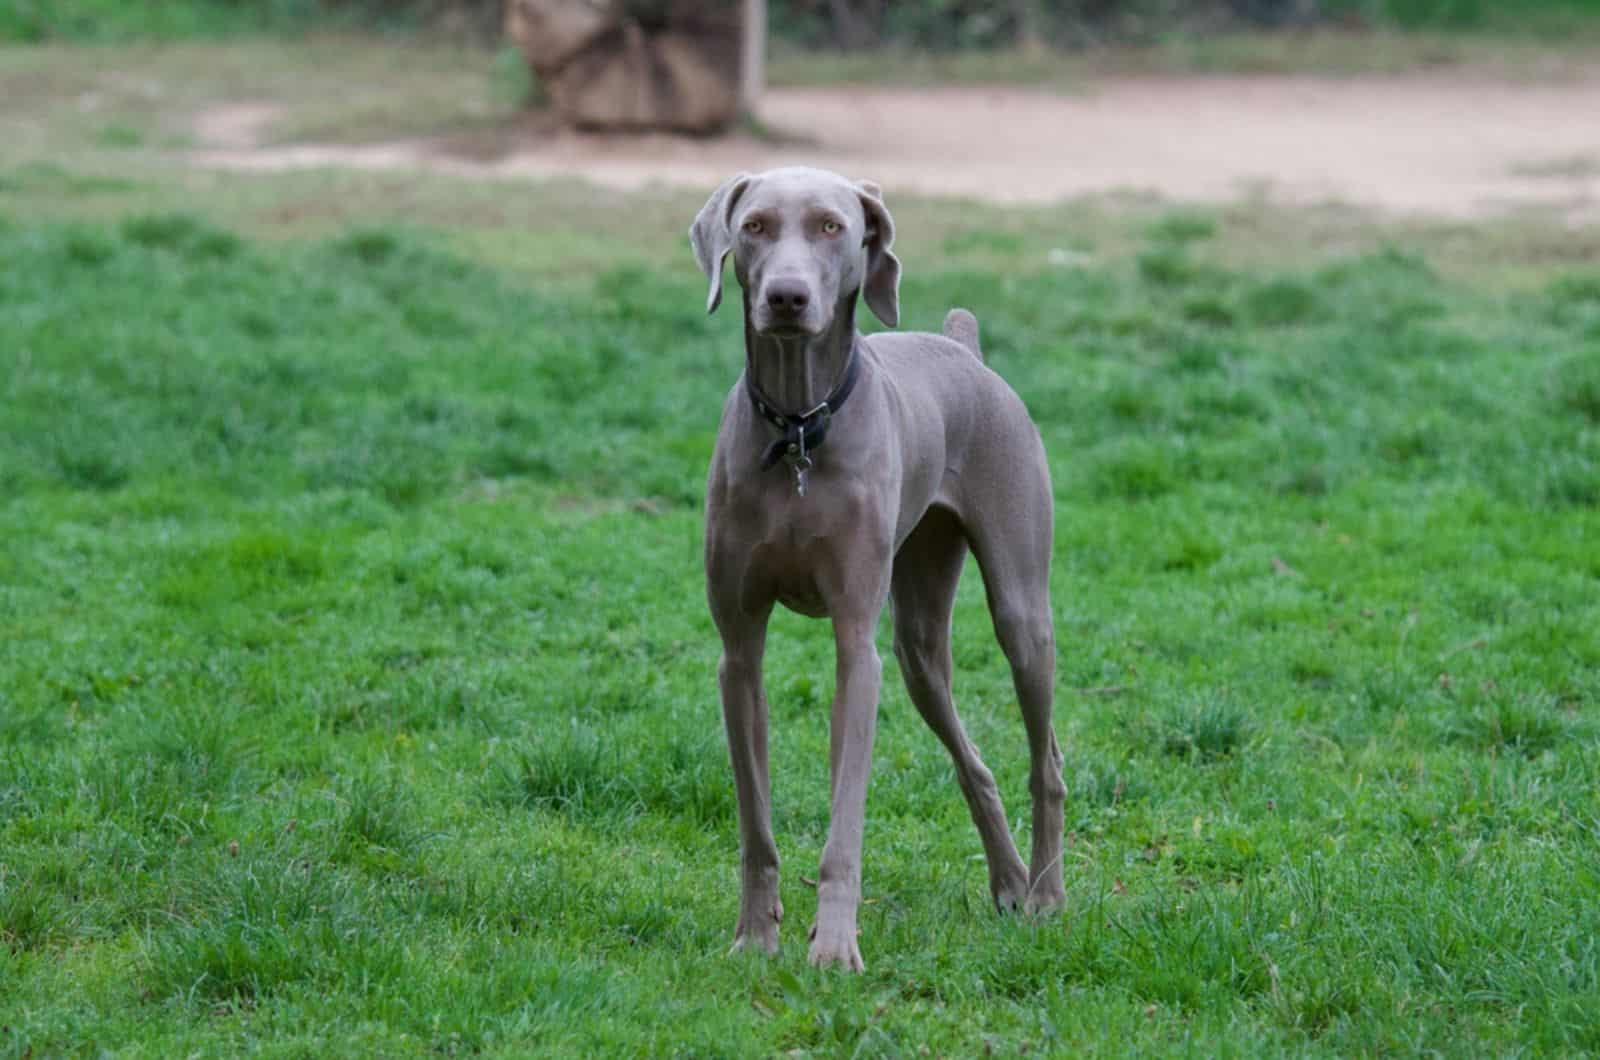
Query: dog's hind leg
[[926, 572], [1013, 545]]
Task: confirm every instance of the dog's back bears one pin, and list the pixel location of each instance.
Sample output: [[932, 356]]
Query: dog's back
[[955, 411]]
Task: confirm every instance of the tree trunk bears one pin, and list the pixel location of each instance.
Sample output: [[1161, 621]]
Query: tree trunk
[[754, 69], [637, 64]]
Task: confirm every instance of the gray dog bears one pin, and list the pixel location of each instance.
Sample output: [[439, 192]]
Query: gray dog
[[928, 453]]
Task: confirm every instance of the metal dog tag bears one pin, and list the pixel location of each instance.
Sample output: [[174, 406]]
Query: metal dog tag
[[800, 461]]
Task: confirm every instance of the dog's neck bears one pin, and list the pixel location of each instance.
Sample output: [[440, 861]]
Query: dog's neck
[[797, 373]]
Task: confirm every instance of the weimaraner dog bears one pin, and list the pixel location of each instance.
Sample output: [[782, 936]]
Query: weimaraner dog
[[928, 453]]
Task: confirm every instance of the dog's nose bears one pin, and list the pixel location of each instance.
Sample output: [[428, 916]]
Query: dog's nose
[[787, 299]]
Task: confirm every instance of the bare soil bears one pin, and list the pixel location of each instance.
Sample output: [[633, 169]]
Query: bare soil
[[1438, 144]]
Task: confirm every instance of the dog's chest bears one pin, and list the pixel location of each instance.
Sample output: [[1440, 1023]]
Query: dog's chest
[[788, 562], [795, 548], [796, 541], [804, 600]]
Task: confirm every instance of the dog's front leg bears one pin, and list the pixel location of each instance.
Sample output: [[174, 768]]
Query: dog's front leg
[[744, 715], [854, 724]]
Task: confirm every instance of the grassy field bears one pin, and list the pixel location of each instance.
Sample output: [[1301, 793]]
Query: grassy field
[[357, 694]]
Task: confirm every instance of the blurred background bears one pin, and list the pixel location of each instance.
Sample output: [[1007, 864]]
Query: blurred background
[[1441, 107]]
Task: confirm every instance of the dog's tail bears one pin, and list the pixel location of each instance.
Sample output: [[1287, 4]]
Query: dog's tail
[[963, 327]]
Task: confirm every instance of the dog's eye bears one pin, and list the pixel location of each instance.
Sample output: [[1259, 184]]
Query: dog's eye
[[753, 227], [830, 227]]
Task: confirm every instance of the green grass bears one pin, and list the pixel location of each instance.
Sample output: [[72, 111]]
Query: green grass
[[357, 693], [1544, 51], [110, 21]]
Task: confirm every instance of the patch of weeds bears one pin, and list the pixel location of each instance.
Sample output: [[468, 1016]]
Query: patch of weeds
[[571, 773], [505, 459], [181, 233], [1180, 229], [1410, 444], [1167, 267], [1203, 731], [1210, 311], [800, 695], [1191, 552], [24, 727], [689, 779], [404, 469], [370, 246], [1572, 482], [88, 247], [88, 462], [32, 915], [1311, 1008], [1313, 670], [1575, 291], [1576, 385], [1389, 288], [376, 824], [1526, 726], [1135, 401], [119, 136], [273, 555], [1103, 785], [1391, 266], [258, 325], [434, 409], [1281, 302], [1134, 471], [1217, 407], [583, 777], [623, 684], [1305, 480], [263, 926], [231, 961], [171, 776], [433, 321], [1194, 355], [1384, 690], [257, 563], [201, 751], [571, 372], [406, 268], [141, 789]]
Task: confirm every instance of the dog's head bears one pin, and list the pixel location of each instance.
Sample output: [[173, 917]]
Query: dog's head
[[804, 241]]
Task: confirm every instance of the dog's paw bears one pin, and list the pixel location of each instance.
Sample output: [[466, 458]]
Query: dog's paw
[[1010, 892], [1042, 903], [754, 942], [1046, 894], [758, 929], [835, 944]]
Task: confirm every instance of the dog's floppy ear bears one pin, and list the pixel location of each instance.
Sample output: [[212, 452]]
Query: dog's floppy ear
[[882, 285], [712, 238]]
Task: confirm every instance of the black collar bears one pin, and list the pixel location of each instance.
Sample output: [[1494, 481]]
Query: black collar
[[803, 431]]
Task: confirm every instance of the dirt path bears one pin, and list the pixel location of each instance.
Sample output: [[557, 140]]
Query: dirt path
[[1435, 144]]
